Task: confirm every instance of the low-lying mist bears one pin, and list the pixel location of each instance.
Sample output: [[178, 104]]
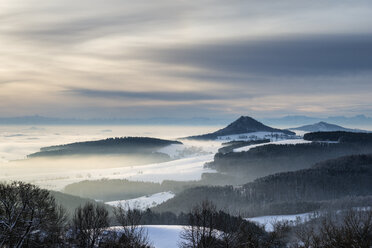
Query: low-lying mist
[[177, 162]]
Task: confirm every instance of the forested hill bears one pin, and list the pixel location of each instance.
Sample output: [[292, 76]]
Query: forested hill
[[289, 192], [342, 137], [269, 159], [332, 179], [244, 124], [123, 145], [325, 127]]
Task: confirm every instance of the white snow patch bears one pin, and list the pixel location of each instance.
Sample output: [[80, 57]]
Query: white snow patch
[[143, 202], [268, 221], [161, 236], [187, 149], [280, 142]]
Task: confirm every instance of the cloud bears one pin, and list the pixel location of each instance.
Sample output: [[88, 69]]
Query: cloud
[[144, 95], [95, 58], [307, 55]]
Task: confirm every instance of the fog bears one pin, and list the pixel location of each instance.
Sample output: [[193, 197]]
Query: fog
[[16, 142]]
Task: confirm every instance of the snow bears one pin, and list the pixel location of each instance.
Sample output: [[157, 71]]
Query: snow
[[280, 142], [273, 136], [269, 220], [143, 202], [188, 149], [161, 236]]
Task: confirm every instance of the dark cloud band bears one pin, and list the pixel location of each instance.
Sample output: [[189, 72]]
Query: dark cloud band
[[292, 56]]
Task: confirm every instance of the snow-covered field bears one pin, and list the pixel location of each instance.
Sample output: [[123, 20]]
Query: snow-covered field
[[280, 142], [161, 236], [189, 149], [269, 220], [272, 136], [143, 202]]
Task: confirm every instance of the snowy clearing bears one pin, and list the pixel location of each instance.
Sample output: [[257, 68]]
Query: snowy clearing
[[280, 142], [273, 136], [161, 236], [164, 236], [269, 220], [185, 150], [143, 202]]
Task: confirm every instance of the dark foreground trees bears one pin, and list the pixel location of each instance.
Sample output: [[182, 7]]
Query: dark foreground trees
[[209, 228], [352, 228], [89, 224], [130, 233], [29, 217]]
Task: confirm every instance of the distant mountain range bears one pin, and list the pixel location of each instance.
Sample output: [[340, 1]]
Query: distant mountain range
[[244, 124], [297, 120], [325, 127], [286, 121], [41, 120]]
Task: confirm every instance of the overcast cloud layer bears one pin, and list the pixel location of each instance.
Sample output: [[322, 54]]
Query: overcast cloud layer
[[119, 58]]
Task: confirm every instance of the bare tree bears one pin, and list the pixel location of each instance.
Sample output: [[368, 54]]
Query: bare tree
[[201, 232], [133, 234], [89, 224], [29, 216], [352, 228]]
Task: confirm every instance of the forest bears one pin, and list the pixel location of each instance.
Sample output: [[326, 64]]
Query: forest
[[31, 217], [341, 136], [345, 179], [125, 145], [268, 159]]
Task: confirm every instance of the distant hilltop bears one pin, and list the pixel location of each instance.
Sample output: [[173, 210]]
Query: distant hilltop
[[300, 120], [325, 127], [243, 125]]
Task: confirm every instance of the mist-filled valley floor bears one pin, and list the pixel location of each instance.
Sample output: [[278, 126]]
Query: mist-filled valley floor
[[56, 172]]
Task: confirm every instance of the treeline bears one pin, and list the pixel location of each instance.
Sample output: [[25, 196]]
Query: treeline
[[268, 159], [123, 189], [230, 146], [123, 145], [333, 179], [290, 192], [30, 217], [340, 136]]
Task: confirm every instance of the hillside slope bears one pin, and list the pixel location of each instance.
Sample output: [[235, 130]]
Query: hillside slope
[[324, 127], [244, 124], [289, 192]]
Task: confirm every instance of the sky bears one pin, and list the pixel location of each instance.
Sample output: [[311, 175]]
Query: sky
[[176, 58]]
